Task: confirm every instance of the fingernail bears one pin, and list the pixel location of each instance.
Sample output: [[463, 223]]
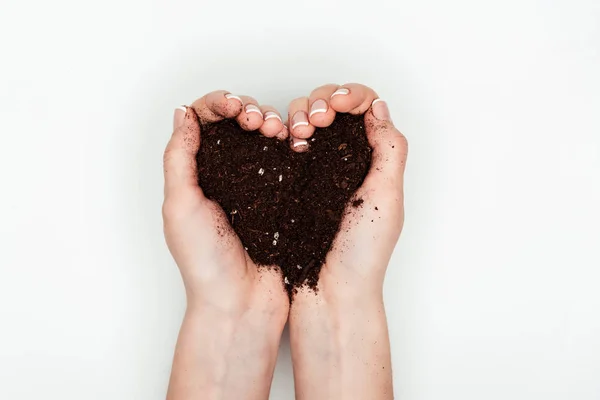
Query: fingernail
[[272, 115], [340, 91], [299, 119], [251, 108], [381, 111], [230, 96], [319, 106], [298, 142], [179, 117]]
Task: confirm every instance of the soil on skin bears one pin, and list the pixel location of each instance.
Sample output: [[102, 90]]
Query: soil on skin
[[285, 206]]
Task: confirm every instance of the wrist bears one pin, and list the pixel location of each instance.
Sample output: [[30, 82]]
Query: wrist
[[333, 329], [214, 350], [240, 309], [342, 287], [336, 301], [225, 298], [244, 331]]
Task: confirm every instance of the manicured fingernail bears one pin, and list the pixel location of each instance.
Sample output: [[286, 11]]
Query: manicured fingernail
[[179, 117], [319, 106], [381, 110], [298, 142], [340, 91], [272, 115], [230, 96], [251, 108], [299, 119]]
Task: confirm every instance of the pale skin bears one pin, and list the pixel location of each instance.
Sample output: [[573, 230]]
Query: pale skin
[[227, 346]]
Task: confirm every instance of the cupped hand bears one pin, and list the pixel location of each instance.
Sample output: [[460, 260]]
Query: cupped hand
[[213, 263], [340, 332], [363, 246], [227, 346]]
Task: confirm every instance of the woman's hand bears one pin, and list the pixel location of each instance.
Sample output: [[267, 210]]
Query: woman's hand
[[339, 337], [236, 312], [368, 233]]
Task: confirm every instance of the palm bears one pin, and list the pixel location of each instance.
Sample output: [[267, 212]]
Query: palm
[[375, 227], [207, 249]]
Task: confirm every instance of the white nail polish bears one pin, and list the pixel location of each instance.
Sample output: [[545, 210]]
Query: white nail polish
[[230, 96], [317, 111], [340, 91], [300, 142], [251, 108], [375, 102], [182, 108], [300, 123], [272, 115]]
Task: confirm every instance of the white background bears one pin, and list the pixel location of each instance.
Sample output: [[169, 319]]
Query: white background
[[493, 290]]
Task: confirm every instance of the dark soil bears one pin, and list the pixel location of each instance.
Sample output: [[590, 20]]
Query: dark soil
[[285, 206]]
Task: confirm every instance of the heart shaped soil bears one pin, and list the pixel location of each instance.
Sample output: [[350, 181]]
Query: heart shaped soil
[[285, 206]]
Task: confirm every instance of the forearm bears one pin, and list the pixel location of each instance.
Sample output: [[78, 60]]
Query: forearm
[[224, 356], [340, 346]]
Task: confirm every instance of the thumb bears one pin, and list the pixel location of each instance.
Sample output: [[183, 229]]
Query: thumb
[[179, 159], [390, 148]]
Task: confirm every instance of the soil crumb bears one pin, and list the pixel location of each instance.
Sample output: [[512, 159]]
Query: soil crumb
[[357, 203]]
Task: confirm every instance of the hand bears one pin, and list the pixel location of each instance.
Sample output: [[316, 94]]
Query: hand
[[340, 333], [236, 312], [368, 233]]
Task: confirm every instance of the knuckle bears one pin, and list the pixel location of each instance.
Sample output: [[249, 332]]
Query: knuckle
[[169, 209], [249, 100], [167, 155], [330, 87], [299, 101], [170, 156], [401, 141]]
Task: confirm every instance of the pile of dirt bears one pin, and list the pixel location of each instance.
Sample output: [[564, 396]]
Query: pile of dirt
[[285, 206]]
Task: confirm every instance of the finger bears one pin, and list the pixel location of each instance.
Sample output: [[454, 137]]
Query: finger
[[321, 114], [273, 124], [298, 145], [179, 160], [390, 148], [352, 98], [284, 133], [250, 118], [217, 106], [299, 125]]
